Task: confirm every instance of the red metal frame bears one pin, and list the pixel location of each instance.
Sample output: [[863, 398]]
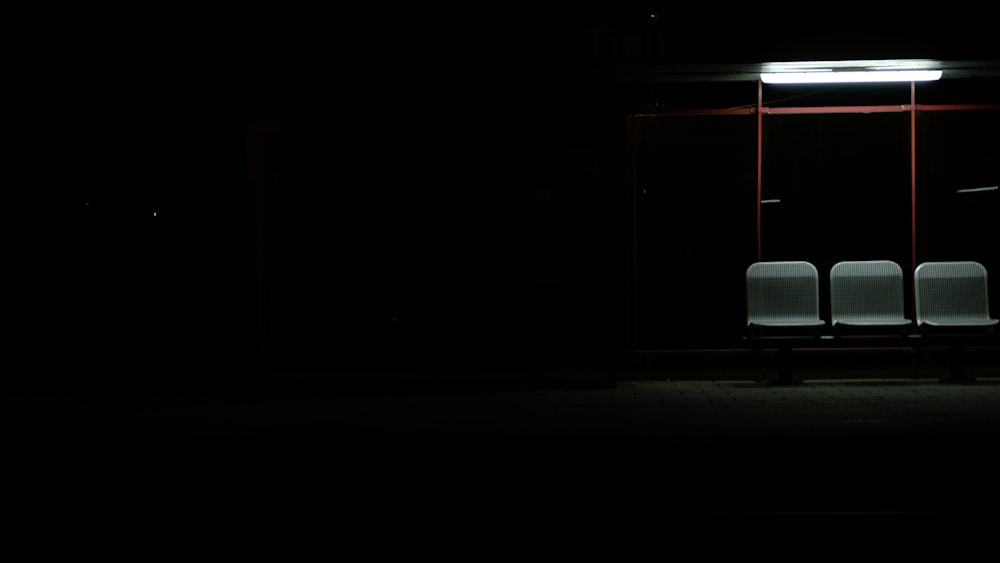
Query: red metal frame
[[952, 107], [911, 107], [760, 163], [634, 321], [913, 191], [796, 110], [835, 109], [699, 111], [759, 109]]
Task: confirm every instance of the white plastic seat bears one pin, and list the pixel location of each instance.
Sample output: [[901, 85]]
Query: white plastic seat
[[952, 295], [867, 295], [783, 296]]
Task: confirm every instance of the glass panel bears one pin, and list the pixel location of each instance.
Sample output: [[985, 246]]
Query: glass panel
[[696, 185], [836, 187], [958, 175]]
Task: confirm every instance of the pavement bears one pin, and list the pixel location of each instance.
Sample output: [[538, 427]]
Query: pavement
[[642, 454]]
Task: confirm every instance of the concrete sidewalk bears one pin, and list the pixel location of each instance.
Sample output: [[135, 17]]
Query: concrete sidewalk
[[635, 409], [648, 458]]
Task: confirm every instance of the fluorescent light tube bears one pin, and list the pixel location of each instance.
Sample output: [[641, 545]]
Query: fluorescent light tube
[[974, 190], [830, 77]]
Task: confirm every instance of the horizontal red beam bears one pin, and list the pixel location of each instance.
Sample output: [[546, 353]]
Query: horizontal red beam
[[881, 109], [950, 107], [836, 109], [898, 108], [700, 111]]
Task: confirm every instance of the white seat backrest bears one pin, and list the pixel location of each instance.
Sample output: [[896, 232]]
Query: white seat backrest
[[952, 293], [866, 291], [782, 292]]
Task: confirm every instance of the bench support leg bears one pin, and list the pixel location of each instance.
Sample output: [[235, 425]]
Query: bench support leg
[[957, 372], [785, 376]]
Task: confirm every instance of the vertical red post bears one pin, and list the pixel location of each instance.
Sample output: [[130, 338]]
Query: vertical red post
[[760, 157], [913, 189], [261, 160], [633, 145]]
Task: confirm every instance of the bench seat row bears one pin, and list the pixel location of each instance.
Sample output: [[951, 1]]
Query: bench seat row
[[869, 294], [867, 300]]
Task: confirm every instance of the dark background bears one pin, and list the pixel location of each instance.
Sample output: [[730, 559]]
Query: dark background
[[419, 188], [439, 188]]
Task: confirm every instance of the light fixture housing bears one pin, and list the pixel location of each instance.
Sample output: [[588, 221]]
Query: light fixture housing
[[847, 72]]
